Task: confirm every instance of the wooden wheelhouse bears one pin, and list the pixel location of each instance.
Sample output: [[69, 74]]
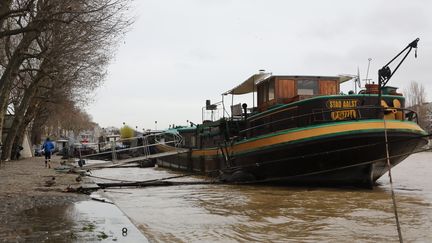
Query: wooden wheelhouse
[[286, 89]]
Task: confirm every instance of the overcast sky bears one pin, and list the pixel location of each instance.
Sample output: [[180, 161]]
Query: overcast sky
[[180, 53]]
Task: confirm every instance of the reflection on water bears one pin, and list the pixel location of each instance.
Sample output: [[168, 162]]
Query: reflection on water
[[85, 221], [227, 213], [49, 224]]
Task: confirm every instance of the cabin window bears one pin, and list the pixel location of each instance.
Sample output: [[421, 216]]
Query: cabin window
[[271, 90], [307, 87]]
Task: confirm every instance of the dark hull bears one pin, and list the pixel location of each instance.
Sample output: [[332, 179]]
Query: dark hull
[[350, 160]]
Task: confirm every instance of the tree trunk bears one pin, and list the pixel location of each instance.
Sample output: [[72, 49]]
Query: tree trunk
[[4, 8], [35, 135], [38, 122], [19, 116], [21, 131], [29, 116], [11, 72], [3, 108]]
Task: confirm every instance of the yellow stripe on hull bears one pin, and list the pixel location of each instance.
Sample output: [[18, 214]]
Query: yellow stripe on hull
[[312, 132]]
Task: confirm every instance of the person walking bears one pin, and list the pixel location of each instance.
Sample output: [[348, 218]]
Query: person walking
[[48, 147]]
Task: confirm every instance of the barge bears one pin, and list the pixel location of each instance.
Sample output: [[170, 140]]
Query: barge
[[301, 131]]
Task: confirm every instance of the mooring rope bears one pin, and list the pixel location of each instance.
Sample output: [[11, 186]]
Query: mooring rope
[[108, 179], [391, 184], [152, 180], [247, 182]]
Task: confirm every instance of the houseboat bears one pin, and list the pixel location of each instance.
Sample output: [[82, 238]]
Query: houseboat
[[301, 131]]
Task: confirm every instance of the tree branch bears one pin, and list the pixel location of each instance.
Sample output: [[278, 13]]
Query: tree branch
[[17, 31]]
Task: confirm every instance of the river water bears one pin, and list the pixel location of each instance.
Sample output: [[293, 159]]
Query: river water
[[238, 213]]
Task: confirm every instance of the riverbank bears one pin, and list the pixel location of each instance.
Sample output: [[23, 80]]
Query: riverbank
[[33, 208]]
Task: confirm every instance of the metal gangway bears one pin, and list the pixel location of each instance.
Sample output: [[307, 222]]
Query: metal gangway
[[140, 149]]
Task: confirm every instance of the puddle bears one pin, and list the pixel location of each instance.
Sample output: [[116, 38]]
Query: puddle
[[86, 221]]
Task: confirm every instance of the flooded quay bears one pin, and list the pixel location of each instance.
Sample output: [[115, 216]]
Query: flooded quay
[[238, 213]]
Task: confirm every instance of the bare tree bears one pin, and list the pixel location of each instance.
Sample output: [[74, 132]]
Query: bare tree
[[416, 99], [61, 47]]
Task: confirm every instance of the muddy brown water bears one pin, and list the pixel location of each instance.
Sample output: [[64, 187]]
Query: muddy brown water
[[230, 213]]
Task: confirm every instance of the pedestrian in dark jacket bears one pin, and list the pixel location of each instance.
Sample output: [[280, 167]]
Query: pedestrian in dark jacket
[[48, 147]]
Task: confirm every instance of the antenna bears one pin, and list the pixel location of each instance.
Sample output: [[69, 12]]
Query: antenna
[[367, 80]]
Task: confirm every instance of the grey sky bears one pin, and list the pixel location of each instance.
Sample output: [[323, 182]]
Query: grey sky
[[180, 53]]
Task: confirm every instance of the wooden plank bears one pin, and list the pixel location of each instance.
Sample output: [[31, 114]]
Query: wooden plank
[[285, 88], [328, 87]]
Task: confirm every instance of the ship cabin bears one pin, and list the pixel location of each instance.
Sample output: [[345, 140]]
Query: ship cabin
[[285, 102], [295, 101], [286, 89]]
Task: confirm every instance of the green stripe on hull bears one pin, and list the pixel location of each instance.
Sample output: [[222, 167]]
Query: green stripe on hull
[[362, 131], [322, 125], [264, 148]]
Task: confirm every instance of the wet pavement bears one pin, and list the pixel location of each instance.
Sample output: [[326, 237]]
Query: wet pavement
[[85, 221]]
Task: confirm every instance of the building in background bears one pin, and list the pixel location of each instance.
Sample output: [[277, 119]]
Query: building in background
[[26, 151]]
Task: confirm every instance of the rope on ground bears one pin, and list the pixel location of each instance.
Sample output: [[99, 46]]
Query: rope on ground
[[391, 183]]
